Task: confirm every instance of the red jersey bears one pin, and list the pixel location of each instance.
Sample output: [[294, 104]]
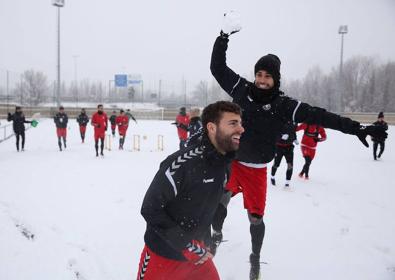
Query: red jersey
[[122, 122], [182, 126], [99, 121], [312, 134]]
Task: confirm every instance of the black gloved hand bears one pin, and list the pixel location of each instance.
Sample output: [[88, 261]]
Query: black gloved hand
[[372, 130], [106, 128], [9, 114]]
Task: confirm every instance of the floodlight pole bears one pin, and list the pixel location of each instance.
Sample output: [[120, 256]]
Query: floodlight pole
[[58, 4], [343, 29]]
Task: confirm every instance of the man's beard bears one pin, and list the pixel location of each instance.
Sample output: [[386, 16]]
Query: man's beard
[[100, 112], [224, 141]]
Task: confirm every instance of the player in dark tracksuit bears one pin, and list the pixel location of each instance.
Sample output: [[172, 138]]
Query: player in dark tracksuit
[[18, 119], [284, 148], [265, 111], [83, 121], [113, 122], [194, 127], [181, 201], [61, 119], [379, 141]]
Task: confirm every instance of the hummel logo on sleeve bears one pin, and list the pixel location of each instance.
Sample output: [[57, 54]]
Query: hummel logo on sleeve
[[208, 180]]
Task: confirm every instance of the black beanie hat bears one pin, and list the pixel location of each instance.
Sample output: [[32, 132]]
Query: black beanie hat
[[381, 115], [271, 64]]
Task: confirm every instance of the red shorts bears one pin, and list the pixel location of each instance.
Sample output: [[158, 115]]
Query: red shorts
[[82, 128], [100, 134], [122, 130], [308, 152], [252, 182], [155, 267], [61, 132]]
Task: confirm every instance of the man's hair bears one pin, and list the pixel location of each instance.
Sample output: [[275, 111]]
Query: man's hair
[[100, 105], [213, 112]]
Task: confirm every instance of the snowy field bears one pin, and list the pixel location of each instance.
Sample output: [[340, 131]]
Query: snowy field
[[70, 215]]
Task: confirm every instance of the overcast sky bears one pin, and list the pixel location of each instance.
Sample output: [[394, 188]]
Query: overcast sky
[[168, 39]]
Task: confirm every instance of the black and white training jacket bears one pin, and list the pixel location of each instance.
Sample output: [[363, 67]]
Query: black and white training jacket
[[263, 121], [180, 202]]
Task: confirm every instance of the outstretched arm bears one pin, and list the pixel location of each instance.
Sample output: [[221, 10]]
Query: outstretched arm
[[302, 112]]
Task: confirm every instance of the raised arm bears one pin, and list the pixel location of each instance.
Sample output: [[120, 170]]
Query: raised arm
[[225, 76]]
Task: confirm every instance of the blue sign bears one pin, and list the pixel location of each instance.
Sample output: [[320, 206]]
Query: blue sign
[[134, 81], [121, 80]]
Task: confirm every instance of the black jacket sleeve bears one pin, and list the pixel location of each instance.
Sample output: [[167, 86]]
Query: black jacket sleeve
[[225, 76], [300, 112], [163, 189]]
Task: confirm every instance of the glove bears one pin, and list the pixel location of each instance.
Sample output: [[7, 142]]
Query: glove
[[231, 24], [9, 114], [106, 128], [372, 130], [194, 251]]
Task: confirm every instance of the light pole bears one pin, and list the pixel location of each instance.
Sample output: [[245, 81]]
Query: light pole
[[343, 29], [58, 4], [75, 77]]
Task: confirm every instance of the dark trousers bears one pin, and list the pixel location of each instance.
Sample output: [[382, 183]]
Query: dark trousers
[[288, 153], [375, 146], [101, 145], [17, 136]]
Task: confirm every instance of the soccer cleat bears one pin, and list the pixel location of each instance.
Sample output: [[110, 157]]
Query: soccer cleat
[[301, 175], [255, 267], [216, 239], [273, 181], [306, 177]]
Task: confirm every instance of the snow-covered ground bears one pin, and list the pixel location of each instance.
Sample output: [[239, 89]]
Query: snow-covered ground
[[70, 215]]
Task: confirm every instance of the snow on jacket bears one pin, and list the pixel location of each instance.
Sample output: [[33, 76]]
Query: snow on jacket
[[181, 201]]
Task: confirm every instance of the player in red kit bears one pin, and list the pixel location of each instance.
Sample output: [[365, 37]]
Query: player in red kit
[[312, 135], [122, 122], [100, 123]]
